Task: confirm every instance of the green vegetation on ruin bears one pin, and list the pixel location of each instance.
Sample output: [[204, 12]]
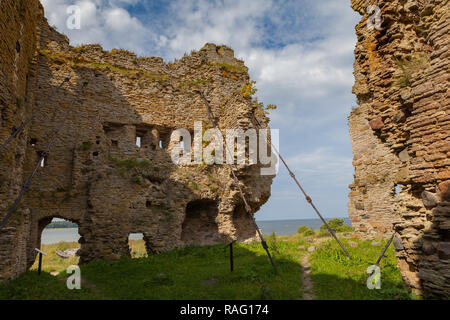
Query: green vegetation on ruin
[[81, 61], [129, 163], [203, 273], [409, 67], [248, 91], [228, 67]]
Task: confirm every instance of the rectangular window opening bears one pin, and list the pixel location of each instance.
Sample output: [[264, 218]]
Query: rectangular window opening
[[43, 162], [138, 141]]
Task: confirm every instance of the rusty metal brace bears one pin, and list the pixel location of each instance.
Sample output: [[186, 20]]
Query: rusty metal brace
[[307, 198], [236, 182], [383, 252], [27, 183]]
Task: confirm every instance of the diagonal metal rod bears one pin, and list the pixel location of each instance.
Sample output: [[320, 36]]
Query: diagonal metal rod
[[308, 198], [236, 182], [384, 250], [382, 254], [30, 118], [27, 183]]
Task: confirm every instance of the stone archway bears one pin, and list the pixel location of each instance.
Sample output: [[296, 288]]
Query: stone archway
[[200, 226], [37, 235]]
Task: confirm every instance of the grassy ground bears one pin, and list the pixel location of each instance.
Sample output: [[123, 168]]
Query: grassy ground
[[335, 276], [203, 273]]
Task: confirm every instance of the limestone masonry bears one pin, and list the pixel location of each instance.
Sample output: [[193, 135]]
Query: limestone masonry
[[400, 133], [95, 175]]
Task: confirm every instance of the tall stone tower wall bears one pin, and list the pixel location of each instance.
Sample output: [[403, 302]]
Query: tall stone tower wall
[[18, 38], [400, 134]]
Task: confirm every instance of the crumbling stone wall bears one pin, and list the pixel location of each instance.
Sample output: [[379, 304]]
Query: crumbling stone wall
[[95, 174], [17, 71], [400, 136]]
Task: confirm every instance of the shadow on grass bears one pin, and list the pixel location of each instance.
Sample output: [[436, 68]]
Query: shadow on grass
[[198, 273], [203, 273], [336, 277]]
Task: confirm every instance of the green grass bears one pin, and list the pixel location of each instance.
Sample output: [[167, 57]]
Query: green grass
[[178, 274], [181, 273], [85, 146], [30, 286], [335, 276], [52, 262]]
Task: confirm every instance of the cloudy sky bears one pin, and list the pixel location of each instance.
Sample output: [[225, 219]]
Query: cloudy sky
[[300, 53]]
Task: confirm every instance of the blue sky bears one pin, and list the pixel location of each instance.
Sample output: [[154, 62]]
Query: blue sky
[[300, 53]]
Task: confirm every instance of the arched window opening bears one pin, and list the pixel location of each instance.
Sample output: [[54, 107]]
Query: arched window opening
[[200, 226], [137, 246], [59, 239]]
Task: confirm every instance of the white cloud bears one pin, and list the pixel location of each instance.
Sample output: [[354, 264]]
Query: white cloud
[[323, 164], [102, 22]]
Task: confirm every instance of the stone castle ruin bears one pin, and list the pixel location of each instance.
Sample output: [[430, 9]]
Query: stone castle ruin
[[95, 173], [401, 136]]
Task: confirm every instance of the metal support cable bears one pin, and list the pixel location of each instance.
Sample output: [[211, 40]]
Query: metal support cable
[[27, 183], [308, 198], [384, 250], [236, 182], [30, 118]]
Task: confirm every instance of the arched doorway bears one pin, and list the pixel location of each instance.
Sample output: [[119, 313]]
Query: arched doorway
[[200, 226], [59, 239], [137, 245]]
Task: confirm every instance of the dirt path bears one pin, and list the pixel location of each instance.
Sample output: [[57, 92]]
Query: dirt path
[[308, 285], [308, 293]]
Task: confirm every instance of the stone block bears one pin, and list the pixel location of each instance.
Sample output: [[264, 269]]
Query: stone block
[[429, 199], [444, 190], [398, 245], [376, 124]]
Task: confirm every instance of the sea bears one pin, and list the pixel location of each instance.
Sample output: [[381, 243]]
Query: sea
[[279, 227]]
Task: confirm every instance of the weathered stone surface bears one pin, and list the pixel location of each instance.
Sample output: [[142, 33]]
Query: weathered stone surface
[[376, 243], [401, 77], [209, 282], [444, 190], [429, 199], [376, 124], [404, 156], [428, 248], [443, 250], [95, 174], [311, 249], [400, 117], [398, 245]]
